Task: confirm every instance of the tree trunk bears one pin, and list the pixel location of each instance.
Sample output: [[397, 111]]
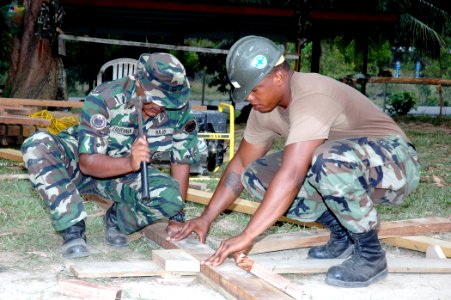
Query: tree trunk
[[36, 70]]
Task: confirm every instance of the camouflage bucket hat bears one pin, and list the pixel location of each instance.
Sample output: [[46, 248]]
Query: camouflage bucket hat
[[163, 77]]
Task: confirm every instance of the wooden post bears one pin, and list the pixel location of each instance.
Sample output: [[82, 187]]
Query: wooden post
[[440, 94]]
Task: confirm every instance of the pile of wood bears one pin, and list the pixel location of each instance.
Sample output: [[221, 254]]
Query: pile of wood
[[263, 280], [15, 123]]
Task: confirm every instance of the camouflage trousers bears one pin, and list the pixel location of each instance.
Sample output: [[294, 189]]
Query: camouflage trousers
[[52, 162], [347, 177]]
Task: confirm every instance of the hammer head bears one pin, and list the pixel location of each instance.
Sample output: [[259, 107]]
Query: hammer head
[[139, 101]]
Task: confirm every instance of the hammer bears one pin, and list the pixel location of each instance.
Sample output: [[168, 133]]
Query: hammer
[[138, 102]]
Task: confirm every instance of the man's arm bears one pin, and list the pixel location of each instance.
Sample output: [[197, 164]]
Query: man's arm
[[278, 198], [227, 190], [230, 186], [104, 166], [180, 172]]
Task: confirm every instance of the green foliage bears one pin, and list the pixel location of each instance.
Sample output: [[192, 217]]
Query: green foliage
[[379, 57], [401, 103], [334, 61]]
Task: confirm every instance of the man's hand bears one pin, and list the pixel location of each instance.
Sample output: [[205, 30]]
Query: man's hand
[[234, 246], [139, 152], [198, 225]]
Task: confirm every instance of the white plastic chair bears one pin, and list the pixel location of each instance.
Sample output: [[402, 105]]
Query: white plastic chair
[[121, 67]]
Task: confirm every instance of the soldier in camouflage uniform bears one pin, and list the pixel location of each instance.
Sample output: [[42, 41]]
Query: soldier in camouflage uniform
[[342, 156], [102, 155]]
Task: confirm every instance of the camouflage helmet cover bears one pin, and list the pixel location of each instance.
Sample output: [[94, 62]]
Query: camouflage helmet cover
[[163, 77]]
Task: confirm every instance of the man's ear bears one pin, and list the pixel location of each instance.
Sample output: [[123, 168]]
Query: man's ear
[[279, 76]]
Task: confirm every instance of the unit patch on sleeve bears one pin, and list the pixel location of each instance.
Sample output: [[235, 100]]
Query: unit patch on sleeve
[[98, 121]]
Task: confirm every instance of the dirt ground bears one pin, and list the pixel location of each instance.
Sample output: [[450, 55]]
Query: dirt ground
[[41, 282]]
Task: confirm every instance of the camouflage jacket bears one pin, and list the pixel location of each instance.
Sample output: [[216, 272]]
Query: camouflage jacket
[[109, 125]]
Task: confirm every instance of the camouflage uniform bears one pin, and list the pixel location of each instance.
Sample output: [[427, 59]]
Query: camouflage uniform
[[347, 176], [108, 125]]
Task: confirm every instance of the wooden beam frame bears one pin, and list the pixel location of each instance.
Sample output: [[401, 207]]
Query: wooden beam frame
[[308, 238], [183, 7], [228, 277], [317, 15]]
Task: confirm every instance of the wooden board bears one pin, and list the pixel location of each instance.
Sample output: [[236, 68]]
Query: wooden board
[[120, 269], [14, 176], [24, 120], [271, 277], [418, 243], [240, 205], [308, 238], [18, 110], [228, 277], [175, 260], [88, 290], [435, 252], [39, 102], [11, 154], [56, 103], [395, 265]]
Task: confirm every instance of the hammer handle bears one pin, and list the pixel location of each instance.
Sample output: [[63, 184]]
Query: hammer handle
[[144, 178], [144, 182]]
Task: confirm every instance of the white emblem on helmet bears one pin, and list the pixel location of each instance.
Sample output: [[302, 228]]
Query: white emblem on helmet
[[98, 121], [260, 62], [235, 84]]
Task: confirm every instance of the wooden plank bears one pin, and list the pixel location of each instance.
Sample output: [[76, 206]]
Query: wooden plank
[[14, 176], [175, 260], [17, 110], [28, 130], [55, 103], [11, 154], [271, 277], [435, 252], [305, 238], [418, 243], [197, 185], [395, 265], [121, 269], [38, 102], [240, 205], [13, 130], [64, 114], [88, 290], [24, 120], [408, 80], [292, 240], [414, 226], [228, 276]]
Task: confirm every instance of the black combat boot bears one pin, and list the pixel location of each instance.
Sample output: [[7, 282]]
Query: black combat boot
[[74, 237], [179, 217], [340, 243], [366, 266], [113, 236]]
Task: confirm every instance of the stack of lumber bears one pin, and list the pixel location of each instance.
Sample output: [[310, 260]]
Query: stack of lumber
[[15, 123]]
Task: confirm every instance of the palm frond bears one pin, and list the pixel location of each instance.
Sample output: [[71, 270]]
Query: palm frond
[[416, 33]]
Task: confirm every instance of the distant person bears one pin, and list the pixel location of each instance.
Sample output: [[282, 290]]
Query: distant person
[[102, 155], [342, 156]]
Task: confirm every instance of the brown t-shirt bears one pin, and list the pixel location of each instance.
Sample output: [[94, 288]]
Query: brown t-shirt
[[320, 108]]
